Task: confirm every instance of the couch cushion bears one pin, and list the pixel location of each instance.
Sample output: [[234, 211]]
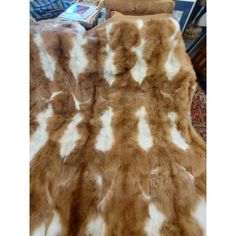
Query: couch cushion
[[140, 7]]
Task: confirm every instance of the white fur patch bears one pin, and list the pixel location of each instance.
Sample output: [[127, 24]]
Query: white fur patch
[[194, 87], [107, 196], [55, 227], [70, 136], [187, 173], [178, 139], [172, 65], [48, 63], [144, 133], [78, 58], [200, 214], [108, 29], [99, 180], [156, 219], [140, 23], [176, 136], [146, 197], [189, 115], [77, 103], [40, 137], [172, 116], [55, 94], [109, 67], [96, 227], [40, 231], [139, 71], [155, 171], [173, 38], [105, 138], [166, 95]]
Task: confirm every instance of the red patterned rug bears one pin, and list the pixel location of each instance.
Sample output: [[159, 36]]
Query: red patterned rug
[[198, 112]]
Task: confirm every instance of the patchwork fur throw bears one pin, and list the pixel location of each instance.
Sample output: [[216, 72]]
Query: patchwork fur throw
[[113, 151]]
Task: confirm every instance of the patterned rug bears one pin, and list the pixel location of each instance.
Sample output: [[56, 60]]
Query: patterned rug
[[198, 112]]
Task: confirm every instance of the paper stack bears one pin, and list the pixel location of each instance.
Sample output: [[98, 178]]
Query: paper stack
[[85, 12]]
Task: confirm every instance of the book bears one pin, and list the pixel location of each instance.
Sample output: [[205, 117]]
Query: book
[[91, 2], [78, 12], [84, 11]]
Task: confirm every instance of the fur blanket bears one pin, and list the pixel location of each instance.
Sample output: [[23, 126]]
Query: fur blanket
[[113, 150]]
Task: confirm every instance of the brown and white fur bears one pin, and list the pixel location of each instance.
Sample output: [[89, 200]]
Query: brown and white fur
[[113, 150]]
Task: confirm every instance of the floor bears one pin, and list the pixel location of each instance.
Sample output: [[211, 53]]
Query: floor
[[198, 112]]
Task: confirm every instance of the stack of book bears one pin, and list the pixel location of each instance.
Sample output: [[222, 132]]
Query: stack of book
[[85, 12]]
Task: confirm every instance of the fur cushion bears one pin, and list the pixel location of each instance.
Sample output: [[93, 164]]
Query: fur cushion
[[140, 7]]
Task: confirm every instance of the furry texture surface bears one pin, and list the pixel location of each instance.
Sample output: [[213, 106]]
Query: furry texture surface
[[113, 150], [140, 7]]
